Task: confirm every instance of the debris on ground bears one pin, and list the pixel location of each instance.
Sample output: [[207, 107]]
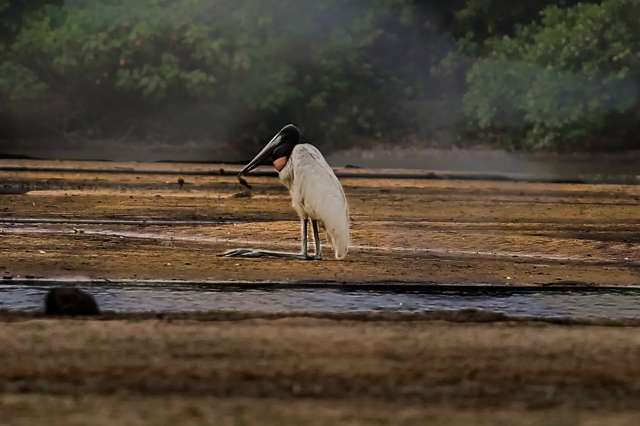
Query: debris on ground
[[242, 194], [244, 182]]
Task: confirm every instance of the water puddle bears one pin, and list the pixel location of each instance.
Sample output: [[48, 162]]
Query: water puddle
[[588, 303]]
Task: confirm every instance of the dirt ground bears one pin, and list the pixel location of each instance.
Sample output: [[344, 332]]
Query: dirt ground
[[318, 371], [405, 230], [258, 369]]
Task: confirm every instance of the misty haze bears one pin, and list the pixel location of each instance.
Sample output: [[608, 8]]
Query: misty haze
[[196, 80], [319, 212]]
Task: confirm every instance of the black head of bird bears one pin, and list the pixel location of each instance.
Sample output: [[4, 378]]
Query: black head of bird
[[278, 148]]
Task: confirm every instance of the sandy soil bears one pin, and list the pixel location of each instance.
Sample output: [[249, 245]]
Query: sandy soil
[[256, 369], [320, 371], [413, 230]]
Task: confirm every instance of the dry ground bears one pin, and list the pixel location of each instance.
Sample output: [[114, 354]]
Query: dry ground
[[332, 370], [317, 371], [415, 230]]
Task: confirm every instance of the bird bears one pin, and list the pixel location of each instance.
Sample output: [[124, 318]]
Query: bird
[[316, 194]]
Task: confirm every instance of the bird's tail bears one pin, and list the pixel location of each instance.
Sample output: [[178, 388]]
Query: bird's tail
[[338, 229]]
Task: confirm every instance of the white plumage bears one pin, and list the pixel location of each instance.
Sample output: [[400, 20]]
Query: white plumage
[[316, 194]]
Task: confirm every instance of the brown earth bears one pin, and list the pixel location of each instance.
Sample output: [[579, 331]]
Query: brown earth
[[318, 371], [258, 369], [413, 230]]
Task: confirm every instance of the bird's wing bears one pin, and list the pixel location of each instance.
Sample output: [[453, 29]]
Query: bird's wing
[[319, 194]]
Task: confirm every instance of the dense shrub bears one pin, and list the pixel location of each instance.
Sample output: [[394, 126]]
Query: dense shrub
[[537, 75], [568, 82], [225, 69]]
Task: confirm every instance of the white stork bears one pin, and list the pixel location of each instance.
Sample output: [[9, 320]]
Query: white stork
[[316, 194]]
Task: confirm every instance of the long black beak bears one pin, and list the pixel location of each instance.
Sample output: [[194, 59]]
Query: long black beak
[[266, 151]]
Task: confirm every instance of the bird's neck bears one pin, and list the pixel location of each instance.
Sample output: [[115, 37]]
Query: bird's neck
[[279, 163], [286, 174]]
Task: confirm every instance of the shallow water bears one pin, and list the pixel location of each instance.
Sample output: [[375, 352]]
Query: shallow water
[[163, 297]]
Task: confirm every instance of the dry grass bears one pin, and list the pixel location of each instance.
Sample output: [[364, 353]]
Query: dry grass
[[316, 371]]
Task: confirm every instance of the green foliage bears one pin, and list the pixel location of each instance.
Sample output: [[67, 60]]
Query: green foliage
[[569, 80], [481, 19], [14, 12], [247, 63], [539, 75], [19, 83]]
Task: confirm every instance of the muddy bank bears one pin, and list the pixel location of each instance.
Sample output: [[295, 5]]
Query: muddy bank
[[411, 230], [245, 368], [470, 316]]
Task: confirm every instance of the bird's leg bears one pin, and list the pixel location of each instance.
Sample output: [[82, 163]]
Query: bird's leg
[[316, 238], [304, 225], [303, 255]]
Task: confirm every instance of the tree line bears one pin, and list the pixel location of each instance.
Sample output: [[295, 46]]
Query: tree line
[[535, 75]]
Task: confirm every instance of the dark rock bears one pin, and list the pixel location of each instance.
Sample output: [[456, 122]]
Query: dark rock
[[70, 301]]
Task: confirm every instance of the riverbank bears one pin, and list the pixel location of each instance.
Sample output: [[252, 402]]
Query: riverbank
[[135, 225], [251, 368]]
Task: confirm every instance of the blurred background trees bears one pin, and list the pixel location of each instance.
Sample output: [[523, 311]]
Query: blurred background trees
[[536, 75], [569, 81]]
